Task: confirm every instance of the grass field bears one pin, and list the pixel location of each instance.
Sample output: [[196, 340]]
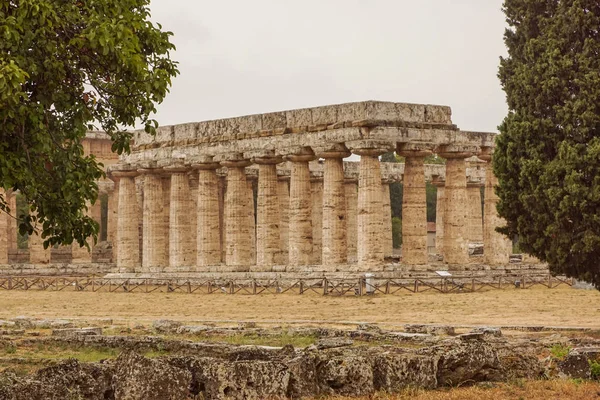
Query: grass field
[[537, 306]]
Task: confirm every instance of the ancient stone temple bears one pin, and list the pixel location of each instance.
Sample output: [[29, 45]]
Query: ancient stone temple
[[275, 192]]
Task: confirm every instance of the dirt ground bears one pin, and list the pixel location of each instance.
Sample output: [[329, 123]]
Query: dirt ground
[[537, 306]]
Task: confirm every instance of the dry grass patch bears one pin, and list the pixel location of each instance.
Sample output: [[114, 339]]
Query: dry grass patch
[[537, 306], [522, 390]]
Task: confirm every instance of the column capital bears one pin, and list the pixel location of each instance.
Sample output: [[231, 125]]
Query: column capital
[[419, 150], [123, 174], [304, 154], [486, 154], [457, 151], [177, 167], [204, 162], [336, 150], [232, 160], [373, 148], [438, 181], [151, 171]]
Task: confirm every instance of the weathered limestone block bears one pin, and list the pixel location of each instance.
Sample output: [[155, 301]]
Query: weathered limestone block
[[128, 239], [283, 191], [475, 217], [345, 375], [208, 221], [414, 210], [395, 372], [300, 230], [238, 232], [138, 377], [497, 248], [455, 212], [316, 188], [334, 210], [154, 257], [386, 212], [180, 243]]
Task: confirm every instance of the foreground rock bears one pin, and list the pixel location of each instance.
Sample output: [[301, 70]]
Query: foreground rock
[[255, 372]]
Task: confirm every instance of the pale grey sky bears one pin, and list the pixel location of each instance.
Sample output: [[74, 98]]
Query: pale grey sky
[[241, 57]]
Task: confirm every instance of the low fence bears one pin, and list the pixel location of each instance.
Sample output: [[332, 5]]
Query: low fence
[[322, 286]]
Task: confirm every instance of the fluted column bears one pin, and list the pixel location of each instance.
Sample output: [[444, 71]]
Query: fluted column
[[439, 215], [208, 237], [334, 242], [112, 219], [351, 191], [12, 222], [4, 231], [238, 235], [497, 248], [386, 212], [283, 191], [268, 240], [37, 253], [81, 254], [475, 214], [250, 208], [316, 188], [370, 205], [154, 252], [455, 212], [180, 241], [301, 230], [414, 207], [128, 239]]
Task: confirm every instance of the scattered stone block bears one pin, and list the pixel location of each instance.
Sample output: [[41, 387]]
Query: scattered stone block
[[72, 332], [496, 332], [332, 343], [577, 363], [165, 325]]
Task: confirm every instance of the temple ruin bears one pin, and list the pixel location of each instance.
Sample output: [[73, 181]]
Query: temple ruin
[[272, 193]]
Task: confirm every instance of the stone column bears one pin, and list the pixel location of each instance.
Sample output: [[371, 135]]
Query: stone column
[[475, 214], [334, 242], [316, 189], [37, 253], [370, 205], [268, 241], [128, 239], [497, 248], [414, 206], [4, 231], [154, 252], [180, 243], [251, 218], [12, 222], [351, 191], [238, 235], [81, 254], [301, 230], [283, 191], [112, 219], [386, 212], [439, 215], [455, 212], [208, 238]]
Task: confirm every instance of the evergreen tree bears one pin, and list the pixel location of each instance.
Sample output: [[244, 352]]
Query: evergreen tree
[[548, 154]]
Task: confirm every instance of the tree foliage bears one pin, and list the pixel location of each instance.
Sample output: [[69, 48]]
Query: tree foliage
[[67, 67], [548, 156]]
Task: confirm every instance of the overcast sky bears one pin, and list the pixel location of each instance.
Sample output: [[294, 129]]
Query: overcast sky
[[240, 57]]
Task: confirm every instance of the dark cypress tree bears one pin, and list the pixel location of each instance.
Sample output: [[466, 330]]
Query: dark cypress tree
[[548, 154]]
